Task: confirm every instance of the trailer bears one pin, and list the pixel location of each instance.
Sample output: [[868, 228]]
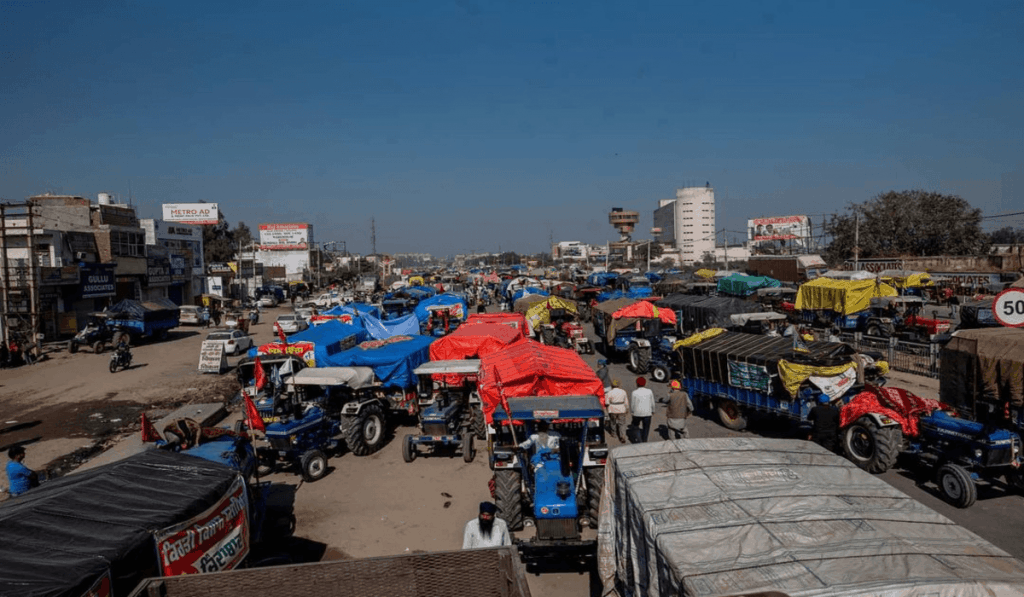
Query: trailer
[[982, 376]]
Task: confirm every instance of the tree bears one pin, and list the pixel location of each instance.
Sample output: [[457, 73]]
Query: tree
[[217, 241], [907, 223], [241, 235], [1007, 236]]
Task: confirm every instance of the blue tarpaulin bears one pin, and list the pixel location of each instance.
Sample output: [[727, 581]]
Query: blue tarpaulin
[[326, 339], [601, 278], [392, 360], [381, 330], [529, 290], [441, 299], [354, 309], [635, 293]]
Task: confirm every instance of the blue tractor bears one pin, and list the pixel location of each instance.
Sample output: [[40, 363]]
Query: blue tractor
[[450, 415], [558, 491]]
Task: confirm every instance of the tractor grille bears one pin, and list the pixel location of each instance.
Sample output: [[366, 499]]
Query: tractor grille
[[279, 442], [435, 429], [998, 456], [557, 528]]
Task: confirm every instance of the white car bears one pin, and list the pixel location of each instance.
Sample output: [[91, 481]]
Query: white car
[[267, 301], [327, 299], [306, 313], [291, 323], [235, 341]]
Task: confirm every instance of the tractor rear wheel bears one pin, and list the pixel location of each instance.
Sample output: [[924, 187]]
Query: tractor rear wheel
[[659, 373], [956, 485], [1015, 479], [314, 465], [731, 416], [477, 422], [508, 497], [595, 483], [547, 336], [639, 359], [468, 450], [364, 433], [871, 447]]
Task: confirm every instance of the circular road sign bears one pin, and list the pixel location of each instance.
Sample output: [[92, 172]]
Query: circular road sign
[[1008, 307]]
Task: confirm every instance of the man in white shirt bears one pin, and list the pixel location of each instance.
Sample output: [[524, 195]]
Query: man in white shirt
[[641, 405], [618, 410], [485, 530], [543, 437]]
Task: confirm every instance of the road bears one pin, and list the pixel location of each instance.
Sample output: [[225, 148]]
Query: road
[[366, 506]]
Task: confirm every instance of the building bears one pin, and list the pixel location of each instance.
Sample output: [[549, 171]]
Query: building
[[687, 223], [571, 250], [181, 245]]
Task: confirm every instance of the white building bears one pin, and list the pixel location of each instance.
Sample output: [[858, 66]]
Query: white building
[[184, 241], [688, 222], [287, 247]]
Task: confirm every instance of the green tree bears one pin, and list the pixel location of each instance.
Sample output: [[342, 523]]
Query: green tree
[[1007, 236], [907, 223], [217, 241], [241, 235]]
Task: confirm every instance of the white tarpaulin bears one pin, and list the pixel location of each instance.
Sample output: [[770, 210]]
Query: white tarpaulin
[[733, 516]]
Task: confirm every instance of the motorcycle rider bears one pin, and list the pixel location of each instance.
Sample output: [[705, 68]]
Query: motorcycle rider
[[123, 351]]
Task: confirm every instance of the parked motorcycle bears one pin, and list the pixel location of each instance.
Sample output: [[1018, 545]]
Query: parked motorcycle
[[120, 359]]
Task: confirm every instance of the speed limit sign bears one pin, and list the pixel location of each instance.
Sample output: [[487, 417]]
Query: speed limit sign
[[1008, 307]]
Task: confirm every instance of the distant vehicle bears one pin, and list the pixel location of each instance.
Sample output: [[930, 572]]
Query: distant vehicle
[[306, 313], [193, 315], [267, 301], [234, 341], [327, 300], [291, 323]]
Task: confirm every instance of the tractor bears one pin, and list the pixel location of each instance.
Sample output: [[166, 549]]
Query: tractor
[[450, 415], [564, 331]]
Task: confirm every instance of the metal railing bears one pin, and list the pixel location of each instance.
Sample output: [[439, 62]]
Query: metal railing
[[909, 357]]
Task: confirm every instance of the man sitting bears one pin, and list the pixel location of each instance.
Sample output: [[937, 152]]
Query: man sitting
[[543, 437]]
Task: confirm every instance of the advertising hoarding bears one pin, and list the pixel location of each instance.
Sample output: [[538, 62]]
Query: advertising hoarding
[[200, 214], [284, 237], [781, 228]]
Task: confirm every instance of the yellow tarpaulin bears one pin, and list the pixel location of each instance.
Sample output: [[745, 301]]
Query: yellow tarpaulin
[[915, 280], [416, 281], [541, 312], [704, 273], [842, 296], [698, 338], [793, 375]]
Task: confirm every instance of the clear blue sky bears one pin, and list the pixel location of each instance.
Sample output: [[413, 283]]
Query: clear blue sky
[[471, 125]]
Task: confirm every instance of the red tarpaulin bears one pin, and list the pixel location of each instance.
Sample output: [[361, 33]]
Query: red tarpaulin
[[896, 403], [516, 320], [473, 341], [528, 368], [646, 310]]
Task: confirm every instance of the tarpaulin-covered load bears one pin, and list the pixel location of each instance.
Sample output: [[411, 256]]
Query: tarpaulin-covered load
[[392, 360], [515, 320], [381, 330], [524, 303], [977, 314], [743, 285], [744, 516], [985, 365], [540, 312], [529, 368], [906, 279], [606, 309], [696, 312], [457, 304], [473, 341], [640, 292], [602, 278], [98, 527], [645, 310], [316, 345], [704, 273], [355, 309], [159, 309], [844, 297]]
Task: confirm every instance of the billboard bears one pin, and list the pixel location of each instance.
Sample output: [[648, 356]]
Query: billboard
[[781, 228], [200, 214], [284, 237]]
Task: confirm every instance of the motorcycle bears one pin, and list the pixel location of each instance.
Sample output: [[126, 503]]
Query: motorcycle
[[120, 358]]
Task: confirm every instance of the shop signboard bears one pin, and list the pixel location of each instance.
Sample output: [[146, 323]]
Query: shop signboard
[[57, 276], [97, 280], [158, 271], [179, 268]]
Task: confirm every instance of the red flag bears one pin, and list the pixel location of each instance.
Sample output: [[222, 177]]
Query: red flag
[[255, 421], [280, 334], [149, 433], [261, 377]]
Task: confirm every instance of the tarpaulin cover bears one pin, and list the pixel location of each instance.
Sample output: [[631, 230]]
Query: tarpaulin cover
[[540, 313], [696, 313], [61, 537], [645, 310], [906, 279], [524, 303], [896, 403], [743, 285], [602, 278], [474, 341], [977, 314], [152, 310], [605, 309], [704, 273], [407, 325], [392, 360], [845, 297], [640, 292], [529, 368], [743, 516], [516, 320], [794, 374], [461, 311], [327, 339], [984, 364], [528, 291], [354, 309]]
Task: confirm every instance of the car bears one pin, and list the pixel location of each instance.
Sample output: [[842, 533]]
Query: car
[[235, 341], [193, 315], [267, 301], [291, 323], [306, 313], [327, 300]]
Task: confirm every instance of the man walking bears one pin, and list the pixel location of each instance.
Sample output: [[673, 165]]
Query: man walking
[[618, 410], [485, 530], [641, 405], [679, 409]]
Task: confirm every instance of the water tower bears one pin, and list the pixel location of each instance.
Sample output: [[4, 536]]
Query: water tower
[[624, 222]]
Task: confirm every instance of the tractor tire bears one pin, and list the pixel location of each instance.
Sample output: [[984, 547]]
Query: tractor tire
[[468, 449], [408, 449], [477, 422], [365, 432], [266, 463], [871, 447], [98, 346], [508, 496], [874, 331], [659, 373], [595, 484], [639, 359], [547, 336], [956, 485], [314, 465], [72, 347], [731, 415]]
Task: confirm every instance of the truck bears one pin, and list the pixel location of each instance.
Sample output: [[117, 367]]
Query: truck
[[734, 516], [795, 269], [622, 332], [982, 376]]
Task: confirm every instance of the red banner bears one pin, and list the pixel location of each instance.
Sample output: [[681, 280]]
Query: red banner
[[216, 540], [303, 350], [101, 588]]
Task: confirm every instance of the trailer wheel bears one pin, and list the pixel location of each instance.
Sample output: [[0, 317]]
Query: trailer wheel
[[408, 449], [639, 359], [659, 373], [595, 483], [508, 497], [314, 465], [468, 450], [72, 346], [956, 485], [364, 433], [874, 331], [871, 447], [731, 415], [477, 422], [97, 346]]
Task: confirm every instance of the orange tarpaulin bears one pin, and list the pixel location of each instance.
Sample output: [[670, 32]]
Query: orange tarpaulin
[[529, 368], [646, 310], [473, 341]]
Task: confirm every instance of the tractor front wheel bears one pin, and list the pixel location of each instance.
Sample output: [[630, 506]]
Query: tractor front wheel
[[408, 449], [97, 346], [871, 447], [468, 450], [477, 422], [73, 346], [956, 485], [659, 373], [508, 497], [314, 465], [364, 433]]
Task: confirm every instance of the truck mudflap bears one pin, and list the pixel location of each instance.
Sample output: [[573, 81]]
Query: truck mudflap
[[557, 554]]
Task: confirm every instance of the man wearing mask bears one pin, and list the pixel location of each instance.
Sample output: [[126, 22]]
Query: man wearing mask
[[485, 530]]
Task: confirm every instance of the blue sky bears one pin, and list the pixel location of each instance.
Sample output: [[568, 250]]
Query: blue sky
[[468, 125]]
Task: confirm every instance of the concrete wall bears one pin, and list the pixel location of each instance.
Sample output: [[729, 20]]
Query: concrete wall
[[60, 212]]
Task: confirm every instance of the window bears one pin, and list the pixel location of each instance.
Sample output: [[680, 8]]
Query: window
[[127, 244]]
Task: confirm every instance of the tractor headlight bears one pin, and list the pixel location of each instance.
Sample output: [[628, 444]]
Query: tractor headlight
[[977, 454]]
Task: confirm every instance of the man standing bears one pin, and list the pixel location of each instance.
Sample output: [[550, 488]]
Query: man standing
[[825, 418], [602, 374], [679, 409], [485, 530], [641, 405], [20, 478], [618, 409]]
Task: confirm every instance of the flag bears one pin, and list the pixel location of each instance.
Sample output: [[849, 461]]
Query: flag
[[255, 421], [280, 334], [149, 433], [261, 377]]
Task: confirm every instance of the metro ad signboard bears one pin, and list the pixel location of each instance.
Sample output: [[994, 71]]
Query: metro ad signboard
[[284, 237], [200, 214]]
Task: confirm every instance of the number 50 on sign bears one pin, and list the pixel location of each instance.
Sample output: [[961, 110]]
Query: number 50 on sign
[[1008, 307]]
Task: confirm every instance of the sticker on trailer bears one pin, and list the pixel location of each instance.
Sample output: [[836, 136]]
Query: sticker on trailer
[[1008, 307], [545, 414]]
